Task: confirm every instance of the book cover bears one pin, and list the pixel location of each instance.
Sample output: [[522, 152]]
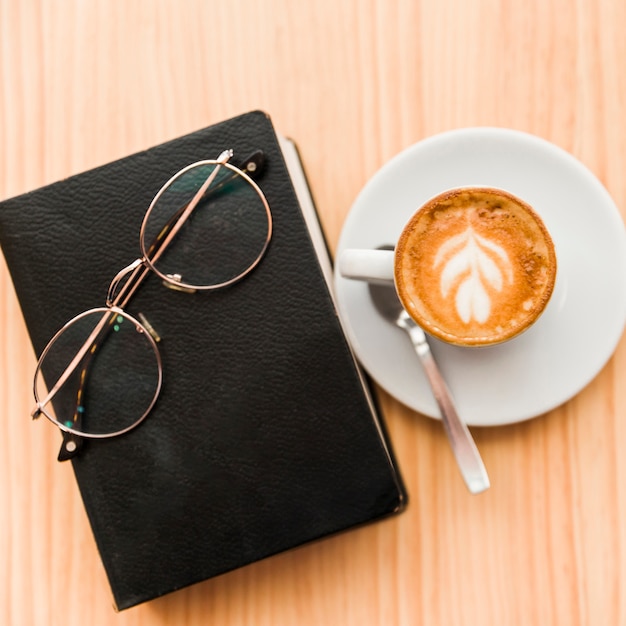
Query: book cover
[[264, 436]]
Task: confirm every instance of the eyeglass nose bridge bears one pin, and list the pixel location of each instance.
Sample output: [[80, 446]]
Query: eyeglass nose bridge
[[113, 295]]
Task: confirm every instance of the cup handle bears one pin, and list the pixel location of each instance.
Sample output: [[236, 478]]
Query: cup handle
[[369, 265]]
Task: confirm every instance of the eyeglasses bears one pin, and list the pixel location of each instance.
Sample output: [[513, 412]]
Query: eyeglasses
[[207, 228]]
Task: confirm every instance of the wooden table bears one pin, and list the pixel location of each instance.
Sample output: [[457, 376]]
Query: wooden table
[[354, 82]]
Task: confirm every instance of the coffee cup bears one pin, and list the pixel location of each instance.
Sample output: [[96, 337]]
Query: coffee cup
[[473, 266]]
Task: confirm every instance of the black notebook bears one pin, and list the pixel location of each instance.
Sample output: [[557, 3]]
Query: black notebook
[[265, 435]]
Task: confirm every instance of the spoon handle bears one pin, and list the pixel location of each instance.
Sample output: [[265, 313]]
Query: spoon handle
[[465, 451]]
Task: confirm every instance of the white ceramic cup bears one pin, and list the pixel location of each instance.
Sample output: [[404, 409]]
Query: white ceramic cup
[[490, 272]]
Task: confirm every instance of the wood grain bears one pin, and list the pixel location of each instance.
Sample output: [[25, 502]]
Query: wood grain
[[354, 82]]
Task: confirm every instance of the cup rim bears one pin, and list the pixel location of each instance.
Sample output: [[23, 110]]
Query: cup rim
[[492, 338]]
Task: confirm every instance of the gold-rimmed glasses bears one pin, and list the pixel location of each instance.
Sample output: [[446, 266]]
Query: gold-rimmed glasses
[[207, 228]]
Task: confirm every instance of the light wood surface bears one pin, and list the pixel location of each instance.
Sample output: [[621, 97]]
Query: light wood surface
[[83, 82]]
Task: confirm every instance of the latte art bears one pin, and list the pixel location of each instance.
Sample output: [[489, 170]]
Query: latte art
[[475, 266], [471, 265]]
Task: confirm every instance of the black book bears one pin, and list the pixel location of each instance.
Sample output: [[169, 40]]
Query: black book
[[265, 435]]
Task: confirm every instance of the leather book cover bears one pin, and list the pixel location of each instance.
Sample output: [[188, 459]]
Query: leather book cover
[[264, 436]]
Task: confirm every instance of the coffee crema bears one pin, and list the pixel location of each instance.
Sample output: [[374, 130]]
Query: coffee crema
[[475, 266]]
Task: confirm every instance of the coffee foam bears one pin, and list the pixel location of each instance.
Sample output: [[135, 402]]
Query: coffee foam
[[475, 266]]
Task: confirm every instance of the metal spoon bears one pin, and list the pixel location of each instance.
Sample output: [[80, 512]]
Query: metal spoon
[[465, 451]]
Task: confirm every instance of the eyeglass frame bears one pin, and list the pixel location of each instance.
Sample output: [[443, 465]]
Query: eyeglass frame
[[127, 281]]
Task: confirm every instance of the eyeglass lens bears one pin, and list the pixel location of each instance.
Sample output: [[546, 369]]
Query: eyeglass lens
[[224, 236], [116, 381]]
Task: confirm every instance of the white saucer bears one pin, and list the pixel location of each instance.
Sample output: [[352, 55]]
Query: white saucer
[[578, 331]]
